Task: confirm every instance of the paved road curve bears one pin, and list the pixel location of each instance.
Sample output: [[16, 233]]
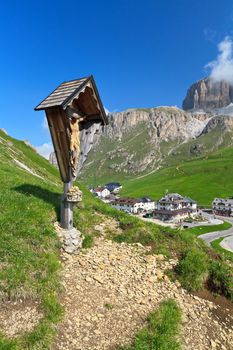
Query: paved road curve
[[226, 243]]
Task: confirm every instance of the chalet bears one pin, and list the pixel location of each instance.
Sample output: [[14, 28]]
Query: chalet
[[175, 207], [129, 205], [114, 187], [101, 192], [133, 205], [223, 206]]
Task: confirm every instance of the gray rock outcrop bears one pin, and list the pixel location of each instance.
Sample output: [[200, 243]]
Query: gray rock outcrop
[[71, 240], [207, 94], [223, 123]]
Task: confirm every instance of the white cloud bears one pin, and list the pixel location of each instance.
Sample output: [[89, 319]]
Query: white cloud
[[45, 149], [221, 69]]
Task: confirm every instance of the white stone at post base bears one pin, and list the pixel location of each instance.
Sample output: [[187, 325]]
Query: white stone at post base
[[71, 240]]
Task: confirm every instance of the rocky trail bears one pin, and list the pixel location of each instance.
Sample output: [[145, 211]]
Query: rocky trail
[[109, 290]]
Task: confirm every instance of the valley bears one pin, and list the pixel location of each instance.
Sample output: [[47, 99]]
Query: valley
[[202, 179], [151, 150]]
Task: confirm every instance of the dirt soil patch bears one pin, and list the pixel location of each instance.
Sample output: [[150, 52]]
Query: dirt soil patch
[[18, 317]]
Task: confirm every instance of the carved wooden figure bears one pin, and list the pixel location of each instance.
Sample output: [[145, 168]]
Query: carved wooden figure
[[74, 113], [75, 143]]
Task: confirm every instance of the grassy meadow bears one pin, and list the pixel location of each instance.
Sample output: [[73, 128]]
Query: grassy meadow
[[201, 179]]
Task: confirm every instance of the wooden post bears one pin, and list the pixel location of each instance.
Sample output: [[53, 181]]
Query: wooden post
[[66, 208]]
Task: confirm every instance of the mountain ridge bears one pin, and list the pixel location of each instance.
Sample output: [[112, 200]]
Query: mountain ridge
[[140, 140], [137, 142]]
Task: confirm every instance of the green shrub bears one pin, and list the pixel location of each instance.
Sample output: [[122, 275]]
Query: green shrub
[[192, 269], [161, 331], [221, 279], [88, 241]]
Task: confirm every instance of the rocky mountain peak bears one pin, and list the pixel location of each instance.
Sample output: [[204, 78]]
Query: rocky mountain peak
[[207, 94]]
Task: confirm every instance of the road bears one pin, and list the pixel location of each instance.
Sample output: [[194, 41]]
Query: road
[[226, 243]]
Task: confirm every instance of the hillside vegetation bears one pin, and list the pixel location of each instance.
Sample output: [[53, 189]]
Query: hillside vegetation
[[30, 250], [201, 179], [138, 142]]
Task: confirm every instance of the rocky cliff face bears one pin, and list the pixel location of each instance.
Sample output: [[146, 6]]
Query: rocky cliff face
[[141, 140], [208, 95], [163, 123]]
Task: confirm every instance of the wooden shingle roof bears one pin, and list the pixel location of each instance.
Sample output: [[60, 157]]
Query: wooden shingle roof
[[63, 93], [66, 91]]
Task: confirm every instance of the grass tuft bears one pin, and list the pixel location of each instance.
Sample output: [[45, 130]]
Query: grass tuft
[[88, 241], [161, 331]]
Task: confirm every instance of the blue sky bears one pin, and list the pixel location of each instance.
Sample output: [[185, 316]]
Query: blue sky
[[141, 53]]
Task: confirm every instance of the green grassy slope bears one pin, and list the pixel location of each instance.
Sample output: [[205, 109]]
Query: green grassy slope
[[29, 249], [202, 179], [114, 159], [29, 254]]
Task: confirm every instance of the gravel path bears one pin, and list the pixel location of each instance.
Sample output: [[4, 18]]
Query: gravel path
[[109, 290]]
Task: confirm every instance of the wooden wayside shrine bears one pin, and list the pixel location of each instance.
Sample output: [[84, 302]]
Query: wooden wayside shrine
[[74, 113]]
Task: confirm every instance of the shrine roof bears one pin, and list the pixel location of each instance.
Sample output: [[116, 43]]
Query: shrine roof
[[64, 93]]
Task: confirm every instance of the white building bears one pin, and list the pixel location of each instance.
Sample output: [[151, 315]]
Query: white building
[[147, 204], [174, 201], [101, 192], [132, 205], [222, 206], [129, 205], [175, 207]]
